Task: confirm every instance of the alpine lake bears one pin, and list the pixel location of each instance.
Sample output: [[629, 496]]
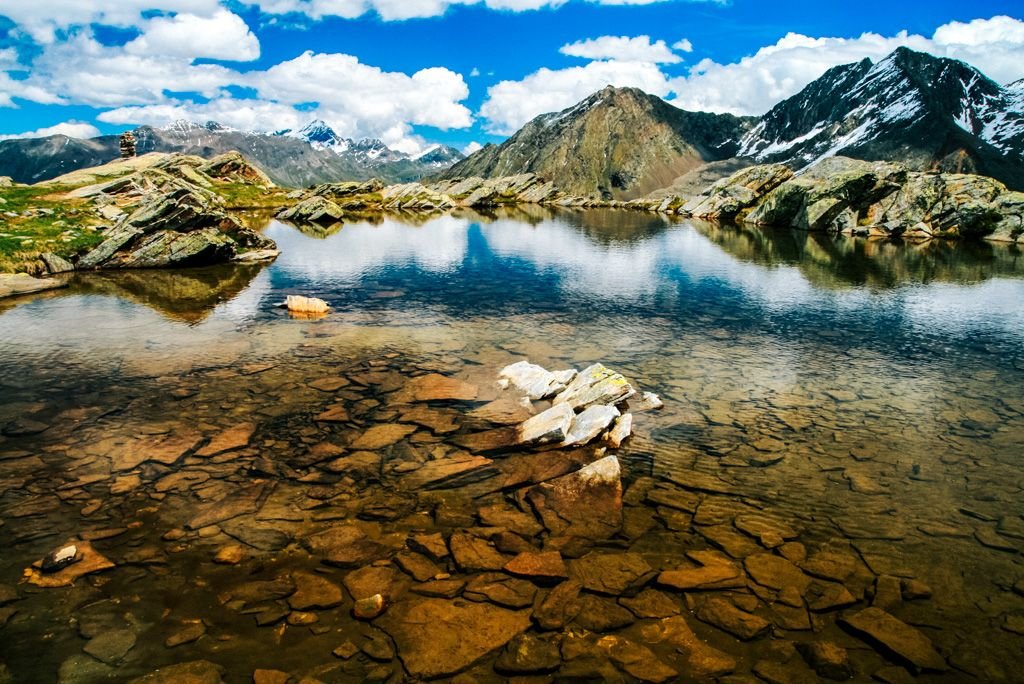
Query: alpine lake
[[834, 487]]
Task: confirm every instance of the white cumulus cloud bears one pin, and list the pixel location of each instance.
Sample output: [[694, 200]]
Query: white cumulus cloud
[[41, 19], [223, 35], [397, 10], [683, 45], [72, 129], [625, 48]]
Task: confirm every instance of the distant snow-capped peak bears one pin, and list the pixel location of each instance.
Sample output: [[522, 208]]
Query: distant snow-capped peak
[[187, 126], [321, 136]]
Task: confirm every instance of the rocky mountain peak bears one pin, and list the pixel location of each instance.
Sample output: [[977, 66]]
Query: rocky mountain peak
[[618, 143], [931, 112]]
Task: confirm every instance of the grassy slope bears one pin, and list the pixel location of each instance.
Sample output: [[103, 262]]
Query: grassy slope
[[34, 220]]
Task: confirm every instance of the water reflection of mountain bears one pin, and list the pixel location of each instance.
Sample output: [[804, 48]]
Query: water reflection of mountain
[[188, 295], [834, 262]]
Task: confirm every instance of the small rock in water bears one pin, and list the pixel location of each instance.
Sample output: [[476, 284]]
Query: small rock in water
[[595, 385], [230, 555], [538, 383], [369, 608], [648, 401], [346, 650], [589, 424], [621, 430], [60, 559], [309, 305], [550, 426], [186, 635]]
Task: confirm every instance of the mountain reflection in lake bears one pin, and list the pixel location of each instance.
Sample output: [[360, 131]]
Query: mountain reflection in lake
[[850, 406]]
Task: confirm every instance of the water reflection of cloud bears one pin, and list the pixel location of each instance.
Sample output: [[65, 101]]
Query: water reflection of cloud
[[359, 250], [673, 262]]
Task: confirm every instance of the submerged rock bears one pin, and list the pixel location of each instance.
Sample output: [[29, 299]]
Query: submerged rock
[[529, 654], [587, 503], [726, 616], [701, 659], [896, 637], [439, 638], [194, 672]]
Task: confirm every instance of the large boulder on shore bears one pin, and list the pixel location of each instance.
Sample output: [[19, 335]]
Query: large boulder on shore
[[730, 196], [414, 197], [885, 199], [234, 168], [524, 188], [183, 227], [942, 205], [316, 209], [1011, 226], [830, 196]]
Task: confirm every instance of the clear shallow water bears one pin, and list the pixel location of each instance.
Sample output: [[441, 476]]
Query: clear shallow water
[[886, 380]]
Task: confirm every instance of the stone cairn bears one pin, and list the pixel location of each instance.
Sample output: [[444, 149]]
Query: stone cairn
[[127, 143]]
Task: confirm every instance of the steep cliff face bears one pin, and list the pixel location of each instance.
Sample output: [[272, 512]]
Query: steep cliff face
[[619, 143]]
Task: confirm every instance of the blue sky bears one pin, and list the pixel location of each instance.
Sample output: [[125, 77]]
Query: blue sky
[[461, 71]]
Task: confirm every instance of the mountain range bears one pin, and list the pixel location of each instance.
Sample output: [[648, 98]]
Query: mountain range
[[313, 154], [928, 112]]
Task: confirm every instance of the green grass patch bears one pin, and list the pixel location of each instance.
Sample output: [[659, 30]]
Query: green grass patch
[[33, 221], [245, 196]]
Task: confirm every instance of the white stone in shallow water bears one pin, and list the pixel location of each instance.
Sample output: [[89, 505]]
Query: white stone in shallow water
[[622, 429], [300, 304], [596, 385], [537, 382], [547, 427], [589, 424], [648, 401]]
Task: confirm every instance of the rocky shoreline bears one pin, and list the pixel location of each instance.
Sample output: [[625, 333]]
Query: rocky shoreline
[[164, 211], [840, 195]]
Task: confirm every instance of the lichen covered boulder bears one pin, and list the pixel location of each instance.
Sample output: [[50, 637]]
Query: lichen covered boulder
[[183, 227], [318, 210], [832, 196], [729, 196]]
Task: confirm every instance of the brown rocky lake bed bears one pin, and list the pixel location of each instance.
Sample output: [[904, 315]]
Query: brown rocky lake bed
[[832, 489]]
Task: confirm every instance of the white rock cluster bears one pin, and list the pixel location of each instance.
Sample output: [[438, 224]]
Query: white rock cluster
[[585, 405]]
